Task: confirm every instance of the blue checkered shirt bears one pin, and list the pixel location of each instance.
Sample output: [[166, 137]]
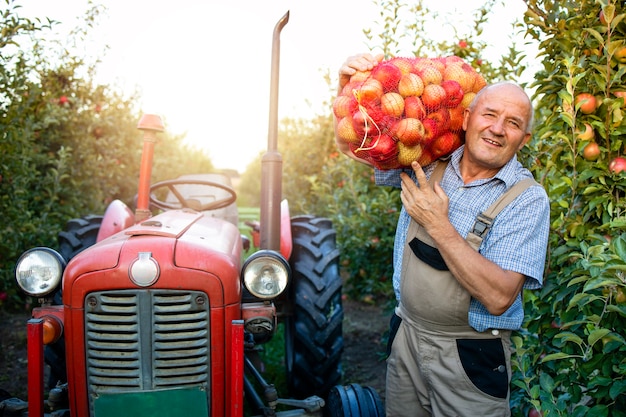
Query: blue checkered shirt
[[517, 240]]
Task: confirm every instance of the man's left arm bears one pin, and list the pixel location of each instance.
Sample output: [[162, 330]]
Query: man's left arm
[[495, 287]]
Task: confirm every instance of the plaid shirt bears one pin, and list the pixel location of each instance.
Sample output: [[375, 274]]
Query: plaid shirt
[[517, 240]]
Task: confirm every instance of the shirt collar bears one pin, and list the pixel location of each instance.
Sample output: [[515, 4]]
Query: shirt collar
[[506, 173]]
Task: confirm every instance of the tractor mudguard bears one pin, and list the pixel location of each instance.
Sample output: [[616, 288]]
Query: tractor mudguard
[[117, 217]]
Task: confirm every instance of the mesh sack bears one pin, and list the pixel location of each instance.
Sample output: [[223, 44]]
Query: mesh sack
[[406, 109]]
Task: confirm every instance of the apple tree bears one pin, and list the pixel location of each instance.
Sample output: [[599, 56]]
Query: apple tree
[[68, 145], [571, 360]]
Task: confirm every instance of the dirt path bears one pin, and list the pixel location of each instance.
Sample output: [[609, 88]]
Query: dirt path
[[363, 359], [363, 328]]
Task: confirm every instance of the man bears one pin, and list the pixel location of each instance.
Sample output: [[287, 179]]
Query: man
[[457, 305]]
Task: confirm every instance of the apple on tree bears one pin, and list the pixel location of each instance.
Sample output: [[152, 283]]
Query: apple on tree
[[591, 152], [618, 165]]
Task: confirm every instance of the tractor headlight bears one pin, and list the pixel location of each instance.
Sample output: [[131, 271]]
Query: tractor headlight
[[38, 271], [266, 274]]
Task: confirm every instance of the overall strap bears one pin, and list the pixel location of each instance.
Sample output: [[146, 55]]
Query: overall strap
[[438, 171], [485, 219]]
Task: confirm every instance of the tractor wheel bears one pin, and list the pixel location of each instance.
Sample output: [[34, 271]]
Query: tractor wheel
[[78, 235], [313, 333], [353, 401]]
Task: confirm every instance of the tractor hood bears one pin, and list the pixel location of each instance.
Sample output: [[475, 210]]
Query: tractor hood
[[189, 250]]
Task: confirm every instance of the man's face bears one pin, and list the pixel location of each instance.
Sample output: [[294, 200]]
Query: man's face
[[495, 129]]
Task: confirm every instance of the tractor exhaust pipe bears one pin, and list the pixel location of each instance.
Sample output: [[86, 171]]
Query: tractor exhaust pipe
[[272, 162]]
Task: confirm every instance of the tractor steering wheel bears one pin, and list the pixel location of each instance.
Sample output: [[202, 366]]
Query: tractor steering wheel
[[191, 203]]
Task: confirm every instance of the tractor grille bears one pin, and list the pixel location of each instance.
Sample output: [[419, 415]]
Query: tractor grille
[[139, 340]]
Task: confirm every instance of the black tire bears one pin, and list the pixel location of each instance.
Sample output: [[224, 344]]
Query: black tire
[[313, 333], [79, 234], [353, 401]]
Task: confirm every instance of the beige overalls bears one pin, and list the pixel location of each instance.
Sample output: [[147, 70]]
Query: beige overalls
[[439, 365]]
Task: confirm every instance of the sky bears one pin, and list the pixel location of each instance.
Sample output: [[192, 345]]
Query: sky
[[204, 65]]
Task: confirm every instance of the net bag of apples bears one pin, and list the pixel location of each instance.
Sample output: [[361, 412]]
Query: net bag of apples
[[406, 109]]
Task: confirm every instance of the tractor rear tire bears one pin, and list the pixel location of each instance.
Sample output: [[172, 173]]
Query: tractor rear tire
[[313, 332], [78, 235]]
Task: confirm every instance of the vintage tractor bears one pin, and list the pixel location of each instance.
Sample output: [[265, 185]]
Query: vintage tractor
[[157, 313]]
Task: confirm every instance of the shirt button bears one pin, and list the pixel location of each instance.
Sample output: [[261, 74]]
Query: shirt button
[[495, 332], [501, 369]]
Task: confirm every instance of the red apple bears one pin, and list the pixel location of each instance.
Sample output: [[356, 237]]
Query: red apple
[[360, 76], [456, 118], [442, 118], [426, 158], [349, 89], [414, 108], [454, 93], [587, 103], [344, 106], [410, 85], [433, 96], [617, 165], [431, 131], [367, 121], [346, 132], [462, 73], [479, 81], [430, 75], [445, 144], [369, 92], [383, 148], [388, 75], [408, 131], [591, 151], [404, 64], [392, 104], [452, 59]]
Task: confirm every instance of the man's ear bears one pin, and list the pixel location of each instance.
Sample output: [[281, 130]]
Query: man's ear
[[525, 141]]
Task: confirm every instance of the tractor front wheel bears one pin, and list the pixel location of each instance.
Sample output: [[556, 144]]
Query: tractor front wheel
[[313, 332]]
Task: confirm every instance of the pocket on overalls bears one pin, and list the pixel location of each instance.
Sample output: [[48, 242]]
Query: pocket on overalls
[[394, 325], [484, 363]]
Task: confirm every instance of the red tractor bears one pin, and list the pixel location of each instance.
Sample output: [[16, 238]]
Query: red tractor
[[156, 311]]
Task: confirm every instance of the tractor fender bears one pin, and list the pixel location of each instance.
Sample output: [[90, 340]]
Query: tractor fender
[[117, 217], [286, 244]]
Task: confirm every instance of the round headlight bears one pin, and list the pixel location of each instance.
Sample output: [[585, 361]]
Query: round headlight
[[266, 274], [38, 271]]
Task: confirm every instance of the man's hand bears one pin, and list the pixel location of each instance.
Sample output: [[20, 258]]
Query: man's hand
[[427, 205], [360, 62]]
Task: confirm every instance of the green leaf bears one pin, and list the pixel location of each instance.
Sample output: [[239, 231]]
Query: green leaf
[[557, 356], [620, 247], [597, 335], [618, 388], [546, 382]]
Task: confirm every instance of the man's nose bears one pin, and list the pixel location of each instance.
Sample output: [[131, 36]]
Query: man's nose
[[497, 127]]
